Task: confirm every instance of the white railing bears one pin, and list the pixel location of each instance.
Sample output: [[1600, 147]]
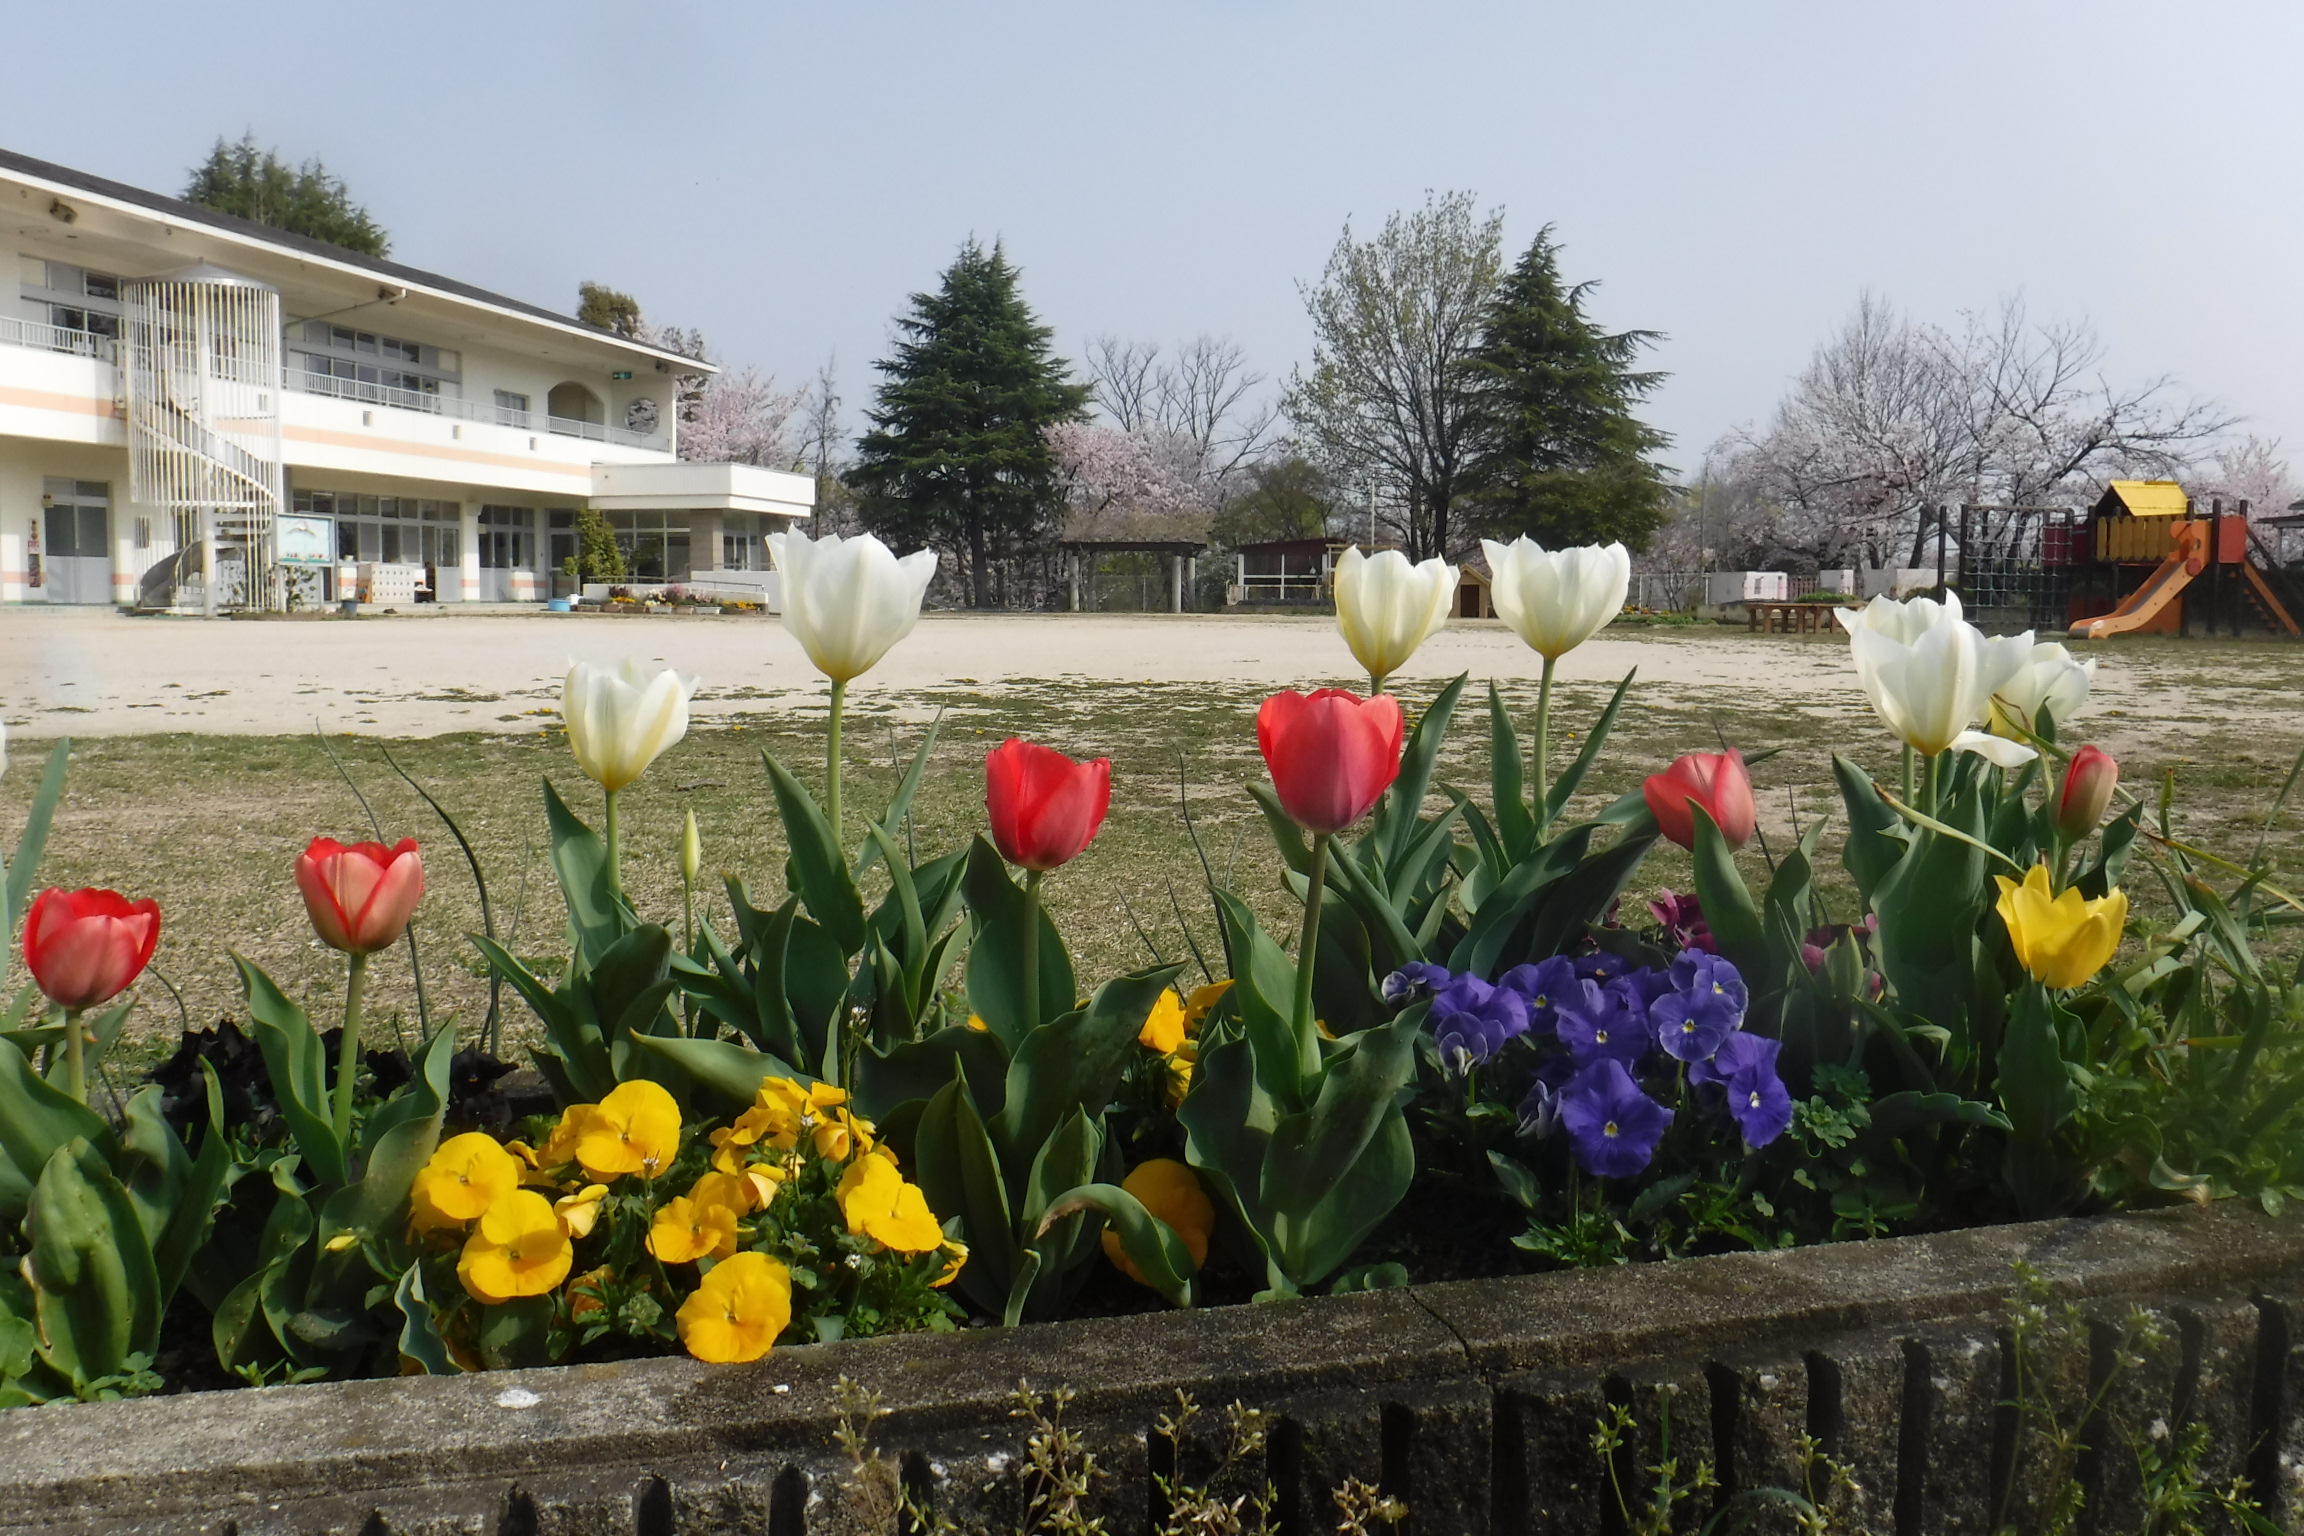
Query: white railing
[[565, 427], [57, 338], [456, 408], [1281, 587]]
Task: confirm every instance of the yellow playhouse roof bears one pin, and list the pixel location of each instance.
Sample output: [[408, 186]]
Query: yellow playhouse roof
[[2146, 498]]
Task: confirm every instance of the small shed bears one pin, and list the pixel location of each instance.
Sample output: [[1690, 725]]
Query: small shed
[[2142, 498], [1284, 570], [1472, 600]]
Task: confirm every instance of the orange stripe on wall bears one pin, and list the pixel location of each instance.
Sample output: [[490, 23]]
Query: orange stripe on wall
[[48, 400], [454, 455]]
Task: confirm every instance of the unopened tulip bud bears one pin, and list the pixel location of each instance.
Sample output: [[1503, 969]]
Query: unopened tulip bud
[[691, 851], [2088, 786]]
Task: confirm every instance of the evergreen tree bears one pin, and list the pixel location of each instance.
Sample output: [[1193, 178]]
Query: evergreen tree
[[1563, 459], [957, 454], [252, 183], [597, 304]]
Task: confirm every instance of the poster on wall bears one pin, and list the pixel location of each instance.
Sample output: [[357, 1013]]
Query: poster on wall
[[305, 540]]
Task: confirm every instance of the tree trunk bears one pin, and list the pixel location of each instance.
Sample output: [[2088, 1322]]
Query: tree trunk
[[979, 575]]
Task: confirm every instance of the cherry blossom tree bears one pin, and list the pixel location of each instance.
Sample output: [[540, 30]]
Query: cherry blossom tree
[[743, 418], [1109, 474]]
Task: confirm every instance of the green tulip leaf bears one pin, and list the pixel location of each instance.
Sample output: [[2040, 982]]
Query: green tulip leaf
[[995, 973], [597, 915], [420, 1339], [97, 1293], [1572, 778], [1074, 1064], [36, 1120], [1868, 852], [819, 868], [1398, 813], [959, 1174], [1508, 786], [730, 1073], [915, 1071], [900, 803], [1728, 906], [23, 866], [296, 1063]]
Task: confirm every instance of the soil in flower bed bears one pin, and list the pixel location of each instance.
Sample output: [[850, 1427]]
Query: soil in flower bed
[[210, 825]]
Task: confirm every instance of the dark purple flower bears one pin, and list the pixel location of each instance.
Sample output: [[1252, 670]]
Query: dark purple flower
[[1596, 1021], [1611, 1124], [1602, 966], [1642, 987], [1690, 1026], [1472, 1019], [1738, 1051], [1414, 980], [1682, 919], [1543, 984]]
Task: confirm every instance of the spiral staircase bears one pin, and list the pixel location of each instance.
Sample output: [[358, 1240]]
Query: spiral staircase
[[200, 363]]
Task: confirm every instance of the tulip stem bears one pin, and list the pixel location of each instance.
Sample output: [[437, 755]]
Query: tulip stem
[[1032, 879], [1375, 684], [615, 849], [832, 763], [1543, 785], [1910, 757], [348, 1049], [75, 1057], [1308, 951]]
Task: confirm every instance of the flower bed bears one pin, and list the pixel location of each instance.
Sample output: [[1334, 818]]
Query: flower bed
[[882, 1101]]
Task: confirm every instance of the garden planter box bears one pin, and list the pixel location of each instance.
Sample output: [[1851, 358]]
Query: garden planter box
[[1474, 1402]]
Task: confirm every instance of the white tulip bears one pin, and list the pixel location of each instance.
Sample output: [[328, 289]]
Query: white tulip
[[1385, 607], [622, 718], [1931, 675], [1555, 600], [2049, 677], [848, 600]]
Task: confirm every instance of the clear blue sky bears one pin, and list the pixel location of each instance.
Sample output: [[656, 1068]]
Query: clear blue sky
[[783, 175]]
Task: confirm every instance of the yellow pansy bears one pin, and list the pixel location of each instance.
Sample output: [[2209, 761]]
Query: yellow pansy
[[977, 1023], [519, 1250], [466, 1175], [955, 1259], [685, 1231], [1197, 1006], [559, 1149], [840, 1136], [736, 1314], [1180, 1066], [580, 1212], [2063, 940], [879, 1204], [636, 1129], [731, 1190], [1163, 1029], [1171, 1191]]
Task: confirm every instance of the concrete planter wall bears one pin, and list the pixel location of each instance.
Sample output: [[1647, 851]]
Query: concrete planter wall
[[1473, 1402]]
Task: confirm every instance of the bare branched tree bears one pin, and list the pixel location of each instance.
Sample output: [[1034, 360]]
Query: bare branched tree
[[1126, 378], [1387, 403], [1205, 396], [1893, 416]]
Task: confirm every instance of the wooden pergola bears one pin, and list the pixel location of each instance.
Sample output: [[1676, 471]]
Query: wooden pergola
[[1182, 556]]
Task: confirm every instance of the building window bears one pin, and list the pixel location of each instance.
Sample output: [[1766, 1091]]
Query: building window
[[507, 538], [76, 298], [560, 546], [362, 365], [511, 409], [655, 544], [396, 530]]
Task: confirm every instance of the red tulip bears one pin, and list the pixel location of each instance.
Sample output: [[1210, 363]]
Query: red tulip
[[85, 947], [2088, 785], [1045, 807], [1714, 780], [360, 898], [1332, 754]]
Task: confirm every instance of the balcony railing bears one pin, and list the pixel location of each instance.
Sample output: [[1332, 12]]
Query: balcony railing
[[457, 409], [57, 338]]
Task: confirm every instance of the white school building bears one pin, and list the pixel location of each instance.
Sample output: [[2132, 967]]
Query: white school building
[[201, 412]]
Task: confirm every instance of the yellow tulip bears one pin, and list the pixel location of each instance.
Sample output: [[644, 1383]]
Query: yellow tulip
[[467, 1175], [686, 1230], [879, 1204], [1171, 1191], [636, 1129], [1163, 1029], [2062, 940], [519, 1250], [736, 1314]]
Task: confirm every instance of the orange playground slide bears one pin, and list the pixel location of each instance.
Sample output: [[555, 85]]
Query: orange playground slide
[[2187, 560]]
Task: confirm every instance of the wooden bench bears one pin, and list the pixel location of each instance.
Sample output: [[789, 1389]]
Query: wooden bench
[[1791, 618]]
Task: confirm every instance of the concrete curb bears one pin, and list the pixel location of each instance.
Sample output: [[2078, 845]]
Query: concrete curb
[[1473, 1401]]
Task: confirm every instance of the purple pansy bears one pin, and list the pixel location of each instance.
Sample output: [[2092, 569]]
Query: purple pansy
[[1736, 1052], [1418, 978], [1471, 1019], [1596, 1021], [1711, 976], [1611, 1124], [1543, 984], [1760, 1102]]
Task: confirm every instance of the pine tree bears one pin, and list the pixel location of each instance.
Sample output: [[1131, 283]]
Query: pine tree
[[252, 183], [957, 454], [1563, 459]]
